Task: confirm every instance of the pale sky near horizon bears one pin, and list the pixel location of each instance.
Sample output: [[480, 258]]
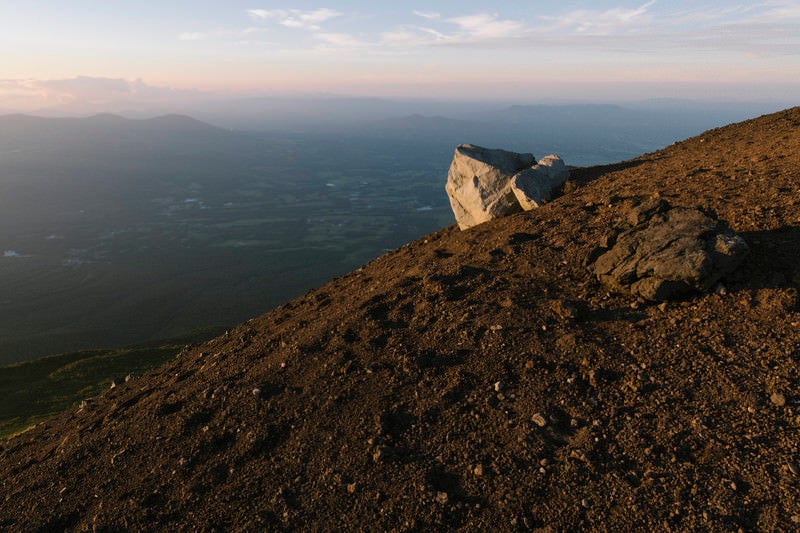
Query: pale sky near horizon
[[54, 52]]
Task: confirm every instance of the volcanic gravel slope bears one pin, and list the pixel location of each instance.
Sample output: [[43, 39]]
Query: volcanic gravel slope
[[474, 380]]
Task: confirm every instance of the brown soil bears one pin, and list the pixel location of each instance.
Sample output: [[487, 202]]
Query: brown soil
[[474, 380]]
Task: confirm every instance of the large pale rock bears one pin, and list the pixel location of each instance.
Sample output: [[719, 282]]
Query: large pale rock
[[479, 183], [533, 187], [670, 253]]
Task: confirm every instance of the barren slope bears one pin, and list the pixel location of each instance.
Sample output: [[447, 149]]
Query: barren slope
[[477, 379]]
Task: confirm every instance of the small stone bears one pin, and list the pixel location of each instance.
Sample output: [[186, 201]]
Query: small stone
[[441, 498], [663, 306], [496, 327], [778, 399], [796, 519], [257, 392], [498, 386], [351, 488], [380, 454], [544, 462], [578, 454], [586, 503], [478, 470], [539, 420], [564, 309]]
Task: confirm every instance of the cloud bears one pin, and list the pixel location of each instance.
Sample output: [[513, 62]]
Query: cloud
[[340, 40], [485, 27], [430, 15], [467, 30], [192, 36], [596, 22], [85, 93], [295, 18]]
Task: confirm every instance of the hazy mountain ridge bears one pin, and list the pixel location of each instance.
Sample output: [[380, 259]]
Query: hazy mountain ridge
[[442, 385]]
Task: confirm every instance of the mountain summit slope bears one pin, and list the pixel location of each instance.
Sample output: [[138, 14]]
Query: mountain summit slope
[[474, 380]]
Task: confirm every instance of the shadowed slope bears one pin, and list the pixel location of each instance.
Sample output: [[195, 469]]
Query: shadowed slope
[[478, 379]]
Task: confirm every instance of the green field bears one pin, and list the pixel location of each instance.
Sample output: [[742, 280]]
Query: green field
[[34, 391]]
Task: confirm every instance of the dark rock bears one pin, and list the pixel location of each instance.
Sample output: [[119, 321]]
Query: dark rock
[[670, 253], [645, 210]]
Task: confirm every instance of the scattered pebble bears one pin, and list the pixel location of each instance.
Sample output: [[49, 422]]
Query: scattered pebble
[[578, 454], [351, 488], [257, 392], [496, 327], [441, 498], [498, 386], [478, 470], [379, 455], [778, 399], [539, 420]]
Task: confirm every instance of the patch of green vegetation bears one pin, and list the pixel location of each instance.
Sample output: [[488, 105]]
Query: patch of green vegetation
[[34, 391]]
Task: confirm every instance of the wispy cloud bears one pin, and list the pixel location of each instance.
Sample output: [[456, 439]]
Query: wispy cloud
[[605, 22], [485, 27], [339, 40], [192, 36], [430, 15], [469, 30], [646, 29], [295, 18], [86, 92]]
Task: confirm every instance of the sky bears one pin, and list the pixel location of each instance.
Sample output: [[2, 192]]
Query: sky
[[58, 53]]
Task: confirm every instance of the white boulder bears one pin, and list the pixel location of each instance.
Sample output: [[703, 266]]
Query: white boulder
[[484, 184], [532, 187], [479, 183]]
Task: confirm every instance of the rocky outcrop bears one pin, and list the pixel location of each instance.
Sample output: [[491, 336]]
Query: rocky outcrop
[[484, 184], [669, 253]]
